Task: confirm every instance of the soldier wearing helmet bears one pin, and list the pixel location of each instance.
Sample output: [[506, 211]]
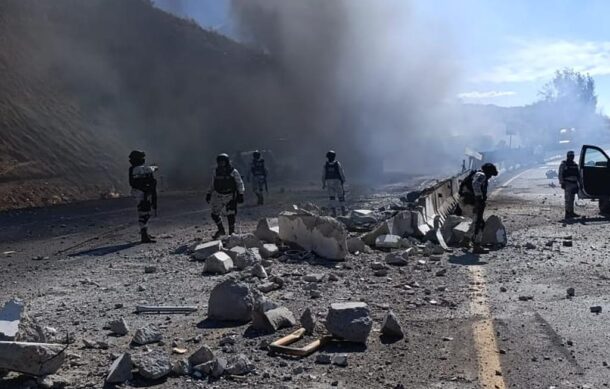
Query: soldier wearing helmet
[[473, 199], [569, 178], [144, 190], [225, 192], [333, 179], [258, 176]]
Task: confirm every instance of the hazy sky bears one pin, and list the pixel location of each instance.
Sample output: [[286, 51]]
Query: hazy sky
[[505, 50]]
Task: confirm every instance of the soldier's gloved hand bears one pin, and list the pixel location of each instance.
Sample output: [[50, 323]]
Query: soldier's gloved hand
[[208, 198], [240, 198]]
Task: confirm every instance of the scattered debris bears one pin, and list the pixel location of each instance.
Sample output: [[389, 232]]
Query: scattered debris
[[246, 259], [349, 321], [231, 300], [202, 355], [268, 230], [314, 277], [388, 242], [308, 321], [36, 359], [241, 365], [155, 365], [259, 271], [397, 259], [269, 250], [214, 368], [150, 269], [146, 335], [202, 251], [323, 359], [218, 263], [525, 298], [391, 326], [339, 360], [119, 327], [322, 235], [269, 317], [120, 370]]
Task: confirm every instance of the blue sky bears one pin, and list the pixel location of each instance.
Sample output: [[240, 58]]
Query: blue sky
[[505, 50]]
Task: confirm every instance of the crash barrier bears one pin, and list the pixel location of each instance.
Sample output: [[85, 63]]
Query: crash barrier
[[439, 200]]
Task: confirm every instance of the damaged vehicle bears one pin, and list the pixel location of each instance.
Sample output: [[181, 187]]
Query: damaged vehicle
[[595, 172]]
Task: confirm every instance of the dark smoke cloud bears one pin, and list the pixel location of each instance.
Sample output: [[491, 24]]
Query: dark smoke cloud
[[369, 80]]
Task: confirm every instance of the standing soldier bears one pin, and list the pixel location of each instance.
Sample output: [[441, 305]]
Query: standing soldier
[[226, 191], [144, 190], [258, 176], [333, 180], [569, 178], [473, 193]]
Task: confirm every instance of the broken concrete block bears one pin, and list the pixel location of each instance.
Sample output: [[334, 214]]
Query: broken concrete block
[[10, 317], [308, 321], [235, 251], [396, 259], [268, 230], [350, 321], [247, 259], [323, 359], [269, 250], [355, 245], [155, 365], [340, 360], [447, 228], [36, 359], [273, 319], [387, 242], [268, 287], [494, 232], [241, 365], [120, 370], [214, 368], [401, 224], [119, 327], [202, 251], [458, 233], [146, 335], [31, 331], [203, 355], [218, 263], [231, 300], [243, 240], [259, 271], [323, 235], [391, 326], [181, 367]]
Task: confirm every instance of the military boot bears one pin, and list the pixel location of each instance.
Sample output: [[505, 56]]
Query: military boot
[[219, 233], [145, 238]]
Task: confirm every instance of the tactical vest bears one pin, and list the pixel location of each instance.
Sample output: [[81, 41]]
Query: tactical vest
[[224, 182], [332, 171], [258, 167], [145, 183], [466, 188], [570, 170]]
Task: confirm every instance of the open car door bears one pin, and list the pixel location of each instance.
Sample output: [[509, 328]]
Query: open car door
[[595, 171]]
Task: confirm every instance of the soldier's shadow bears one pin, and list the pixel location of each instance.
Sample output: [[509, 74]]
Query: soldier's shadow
[[101, 251], [467, 259]]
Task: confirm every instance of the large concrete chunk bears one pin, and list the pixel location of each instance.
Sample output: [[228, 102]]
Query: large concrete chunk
[[459, 232], [10, 317], [447, 228], [231, 300], [269, 250], [146, 335], [388, 242], [155, 365], [120, 370], [273, 319], [268, 230], [218, 263], [349, 321], [235, 251], [31, 358], [494, 232], [247, 259], [204, 250], [324, 236]]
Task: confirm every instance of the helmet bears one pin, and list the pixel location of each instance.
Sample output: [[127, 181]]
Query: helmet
[[331, 155], [137, 156], [571, 153], [256, 154], [489, 169], [223, 157]]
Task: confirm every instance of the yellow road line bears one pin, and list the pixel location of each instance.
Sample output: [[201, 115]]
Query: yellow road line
[[485, 342]]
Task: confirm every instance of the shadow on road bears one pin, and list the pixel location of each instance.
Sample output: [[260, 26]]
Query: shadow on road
[[101, 251], [467, 259]]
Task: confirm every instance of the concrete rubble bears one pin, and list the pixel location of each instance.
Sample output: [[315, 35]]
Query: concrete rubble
[[349, 321], [36, 359], [269, 250], [247, 259], [119, 327], [397, 258], [494, 232], [10, 317], [259, 271], [147, 335], [243, 240], [268, 230], [214, 368], [155, 365], [218, 263], [355, 245], [391, 326], [202, 355], [323, 235], [240, 365], [269, 317], [202, 251], [235, 251], [120, 370], [231, 300], [308, 321], [388, 242]]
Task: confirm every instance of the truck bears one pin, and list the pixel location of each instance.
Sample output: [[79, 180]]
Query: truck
[[594, 165]]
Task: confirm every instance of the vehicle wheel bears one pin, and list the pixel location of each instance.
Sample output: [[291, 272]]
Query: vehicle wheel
[[604, 205]]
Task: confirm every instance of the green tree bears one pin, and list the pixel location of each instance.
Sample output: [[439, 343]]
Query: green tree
[[571, 89]]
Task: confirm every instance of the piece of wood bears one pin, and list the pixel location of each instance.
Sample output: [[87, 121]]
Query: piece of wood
[[302, 351], [165, 309], [290, 338]]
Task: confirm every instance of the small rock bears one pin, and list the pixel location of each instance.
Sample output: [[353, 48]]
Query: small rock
[[202, 355], [218, 263], [596, 309], [155, 365], [269, 250], [570, 292], [323, 359], [247, 259], [349, 321], [120, 370], [525, 298], [240, 366], [340, 360], [314, 277], [396, 259], [119, 327], [181, 367], [391, 326], [146, 335], [214, 368], [150, 269], [308, 321], [268, 287], [231, 300], [259, 271], [441, 272]]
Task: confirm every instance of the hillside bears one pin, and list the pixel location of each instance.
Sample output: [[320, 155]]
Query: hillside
[[83, 82]]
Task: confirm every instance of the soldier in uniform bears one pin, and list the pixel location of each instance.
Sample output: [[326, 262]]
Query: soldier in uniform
[[569, 178], [225, 192], [473, 200], [333, 179], [258, 176], [144, 190]]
